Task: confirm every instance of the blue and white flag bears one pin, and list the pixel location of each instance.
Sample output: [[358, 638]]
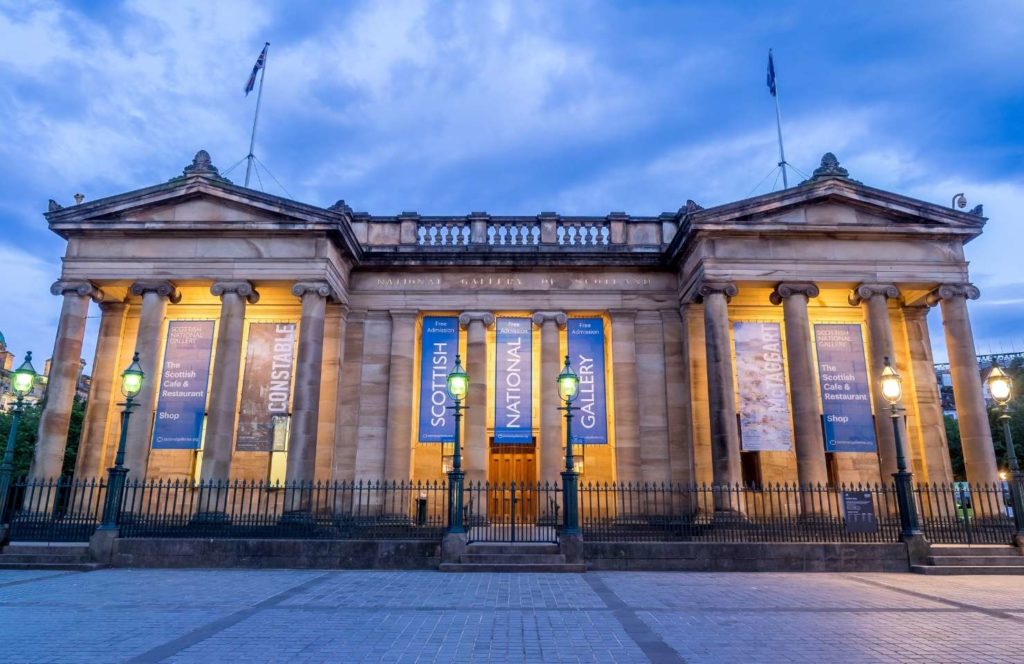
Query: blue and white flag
[[771, 73], [260, 62]]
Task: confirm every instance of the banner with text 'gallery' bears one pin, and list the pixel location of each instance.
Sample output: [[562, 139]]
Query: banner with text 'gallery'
[[513, 381], [184, 381], [585, 338], [439, 344], [845, 388], [761, 378], [266, 384]]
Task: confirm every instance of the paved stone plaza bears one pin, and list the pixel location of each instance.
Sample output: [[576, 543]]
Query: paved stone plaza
[[356, 616]]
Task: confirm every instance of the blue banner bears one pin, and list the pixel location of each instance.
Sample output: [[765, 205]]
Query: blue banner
[[184, 381], [845, 388], [439, 344], [513, 381], [585, 337]]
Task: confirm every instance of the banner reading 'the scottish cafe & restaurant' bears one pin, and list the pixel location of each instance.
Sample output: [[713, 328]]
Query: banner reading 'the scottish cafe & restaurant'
[[184, 381], [845, 388]]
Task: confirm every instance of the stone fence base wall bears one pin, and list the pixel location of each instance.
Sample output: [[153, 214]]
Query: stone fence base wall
[[273, 553], [746, 557]]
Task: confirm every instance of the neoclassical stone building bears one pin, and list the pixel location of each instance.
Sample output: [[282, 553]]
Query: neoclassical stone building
[[739, 343]]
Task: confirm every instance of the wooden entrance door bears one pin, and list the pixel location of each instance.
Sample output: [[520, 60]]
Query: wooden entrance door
[[508, 464]]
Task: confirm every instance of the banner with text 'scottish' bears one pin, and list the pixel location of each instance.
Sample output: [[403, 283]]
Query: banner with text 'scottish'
[[266, 384], [184, 382], [585, 337], [439, 344], [845, 388]]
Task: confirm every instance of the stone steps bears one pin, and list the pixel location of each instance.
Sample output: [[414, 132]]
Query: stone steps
[[57, 557], [983, 559], [526, 557]]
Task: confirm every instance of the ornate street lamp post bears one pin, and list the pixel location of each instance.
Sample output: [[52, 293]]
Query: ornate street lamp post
[[458, 387], [1000, 386], [131, 384], [568, 390], [22, 381], [892, 390]]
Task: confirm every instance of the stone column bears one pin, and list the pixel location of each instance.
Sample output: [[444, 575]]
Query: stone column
[[803, 379], [551, 435], [935, 463], [677, 392], [103, 391], [398, 454], [223, 408], [475, 461], [626, 405], [652, 411], [725, 437], [306, 401], [372, 427], [874, 297], [155, 296], [972, 415], [65, 367]]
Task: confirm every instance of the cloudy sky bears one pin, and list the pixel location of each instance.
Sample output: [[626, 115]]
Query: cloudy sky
[[511, 107]]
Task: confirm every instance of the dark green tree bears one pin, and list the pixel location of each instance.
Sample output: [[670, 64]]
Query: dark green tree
[[28, 431], [956, 452]]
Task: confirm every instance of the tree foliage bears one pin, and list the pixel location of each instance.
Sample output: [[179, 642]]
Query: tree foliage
[[28, 433], [1015, 409]]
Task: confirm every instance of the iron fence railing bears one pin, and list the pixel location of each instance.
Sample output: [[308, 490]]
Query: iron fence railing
[[514, 512], [68, 509], [704, 513]]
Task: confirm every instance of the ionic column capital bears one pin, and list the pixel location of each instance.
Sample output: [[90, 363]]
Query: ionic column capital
[[320, 288], [161, 288], [241, 288], [726, 288], [790, 288], [559, 318], [467, 317], [79, 288], [949, 291], [868, 291]]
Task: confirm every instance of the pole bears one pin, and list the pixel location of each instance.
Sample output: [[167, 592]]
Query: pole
[[1016, 477], [778, 126], [909, 525], [455, 477], [7, 466], [259, 97], [117, 475], [570, 512]]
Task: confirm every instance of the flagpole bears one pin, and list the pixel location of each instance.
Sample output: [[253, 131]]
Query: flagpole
[[778, 125], [259, 96]]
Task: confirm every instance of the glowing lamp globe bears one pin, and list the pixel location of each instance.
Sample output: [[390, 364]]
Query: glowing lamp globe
[[892, 384], [24, 377], [458, 381], [568, 383], [131, 378], [1000, 385]]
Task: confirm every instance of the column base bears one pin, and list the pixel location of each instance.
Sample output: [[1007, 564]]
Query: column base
[[101, 545], [571, 546], [453, 545], [918, 549]]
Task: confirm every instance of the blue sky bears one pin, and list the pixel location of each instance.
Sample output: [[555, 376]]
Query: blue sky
[[511, 107]]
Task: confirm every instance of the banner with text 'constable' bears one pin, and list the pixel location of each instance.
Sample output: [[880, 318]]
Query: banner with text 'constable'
[[513, 381], [266, 384], [845, 388], [585, 337], [184, 381], [761, 377], [439, 344]]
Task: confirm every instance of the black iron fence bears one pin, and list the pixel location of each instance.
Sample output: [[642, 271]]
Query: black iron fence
[[702, 513], [515, 512], [68, 509]]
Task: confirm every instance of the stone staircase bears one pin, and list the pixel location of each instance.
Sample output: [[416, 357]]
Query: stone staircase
[[978, 559], [495, 557], [56, 556]]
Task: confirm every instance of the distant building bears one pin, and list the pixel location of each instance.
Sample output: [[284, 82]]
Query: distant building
[[9, 362]]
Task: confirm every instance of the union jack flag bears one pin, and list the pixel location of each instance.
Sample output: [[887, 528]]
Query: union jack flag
[[260, 62]]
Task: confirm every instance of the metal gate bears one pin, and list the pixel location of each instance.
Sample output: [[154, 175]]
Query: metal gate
[[515, 512], [960, 513]]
